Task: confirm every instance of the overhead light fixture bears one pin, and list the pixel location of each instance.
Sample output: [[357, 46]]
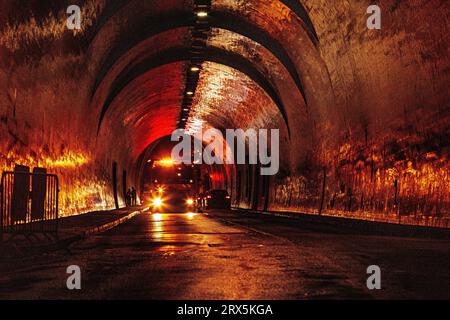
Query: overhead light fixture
[[190, 93], [166, 162], [185, 109], [202, 14], [195, 69]]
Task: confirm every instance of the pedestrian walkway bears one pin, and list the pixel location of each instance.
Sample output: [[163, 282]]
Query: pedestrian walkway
[[70, 230]]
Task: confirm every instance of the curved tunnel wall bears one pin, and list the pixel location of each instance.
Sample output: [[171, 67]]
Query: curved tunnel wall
[[367, 115]]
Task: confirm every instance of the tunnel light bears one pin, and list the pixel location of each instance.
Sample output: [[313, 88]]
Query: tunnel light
[[190, 202], [166, 162], [190, 93], [179, 174], [202, 14], [195, 69]]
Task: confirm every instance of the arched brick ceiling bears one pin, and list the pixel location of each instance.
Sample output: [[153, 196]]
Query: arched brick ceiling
[[224, 92], [241, 47], [133, 57], [223, 99], [147, 108]]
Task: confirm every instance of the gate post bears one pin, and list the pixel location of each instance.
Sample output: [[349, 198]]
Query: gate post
[[38, 192], [20, 194]]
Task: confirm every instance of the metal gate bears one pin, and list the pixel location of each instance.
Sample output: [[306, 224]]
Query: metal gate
[[29, 201]]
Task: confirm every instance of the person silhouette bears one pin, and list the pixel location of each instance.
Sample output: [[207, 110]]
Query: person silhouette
[[128, 198], [133, 196]]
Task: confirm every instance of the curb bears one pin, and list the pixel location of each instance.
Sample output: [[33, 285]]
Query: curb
[[67, 241], [110, 225], [99, 229]]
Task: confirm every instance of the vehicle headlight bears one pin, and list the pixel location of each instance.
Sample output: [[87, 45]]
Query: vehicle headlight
[[190, 201], [157, 202]]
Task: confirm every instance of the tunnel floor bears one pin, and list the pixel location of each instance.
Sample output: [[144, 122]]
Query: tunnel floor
[[230, 255]]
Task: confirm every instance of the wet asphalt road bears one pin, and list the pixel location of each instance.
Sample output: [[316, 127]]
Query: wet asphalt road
[[233, 255]]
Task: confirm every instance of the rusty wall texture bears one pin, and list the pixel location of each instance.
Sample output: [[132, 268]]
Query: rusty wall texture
[[391, 90], [49, 117], [371, 128]]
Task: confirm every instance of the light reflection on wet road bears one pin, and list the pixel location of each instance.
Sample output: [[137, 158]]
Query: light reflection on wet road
[[230, 255]]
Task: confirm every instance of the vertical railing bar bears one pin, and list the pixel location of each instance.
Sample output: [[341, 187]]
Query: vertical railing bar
[[57, 204], [29, 225], [54, 204], [49, 188], [53, 200], [7, 211], [47, 198], [1, 206], [47, 195], [6, 205], [10, 201]]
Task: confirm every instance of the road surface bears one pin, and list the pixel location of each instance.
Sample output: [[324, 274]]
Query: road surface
[[232, 255]]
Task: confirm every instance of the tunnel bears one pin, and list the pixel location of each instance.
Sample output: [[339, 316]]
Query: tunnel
[[363, 115]]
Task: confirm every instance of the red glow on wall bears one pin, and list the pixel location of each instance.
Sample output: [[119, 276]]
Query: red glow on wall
[[149, 106]]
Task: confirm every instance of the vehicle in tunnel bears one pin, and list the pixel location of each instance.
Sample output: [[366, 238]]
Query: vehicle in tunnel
[[217, 199], [170, 186], [173, 198]]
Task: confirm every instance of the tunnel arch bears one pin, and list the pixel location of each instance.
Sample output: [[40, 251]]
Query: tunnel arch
[[316, 122], [144, 157], [182, 54], [222, 17], [221, 20]]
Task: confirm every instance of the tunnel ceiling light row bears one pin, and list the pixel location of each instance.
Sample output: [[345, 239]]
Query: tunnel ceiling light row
[[202, 14], [200, 33]]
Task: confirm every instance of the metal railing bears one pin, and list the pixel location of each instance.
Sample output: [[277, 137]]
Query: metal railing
[[28, 201]]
